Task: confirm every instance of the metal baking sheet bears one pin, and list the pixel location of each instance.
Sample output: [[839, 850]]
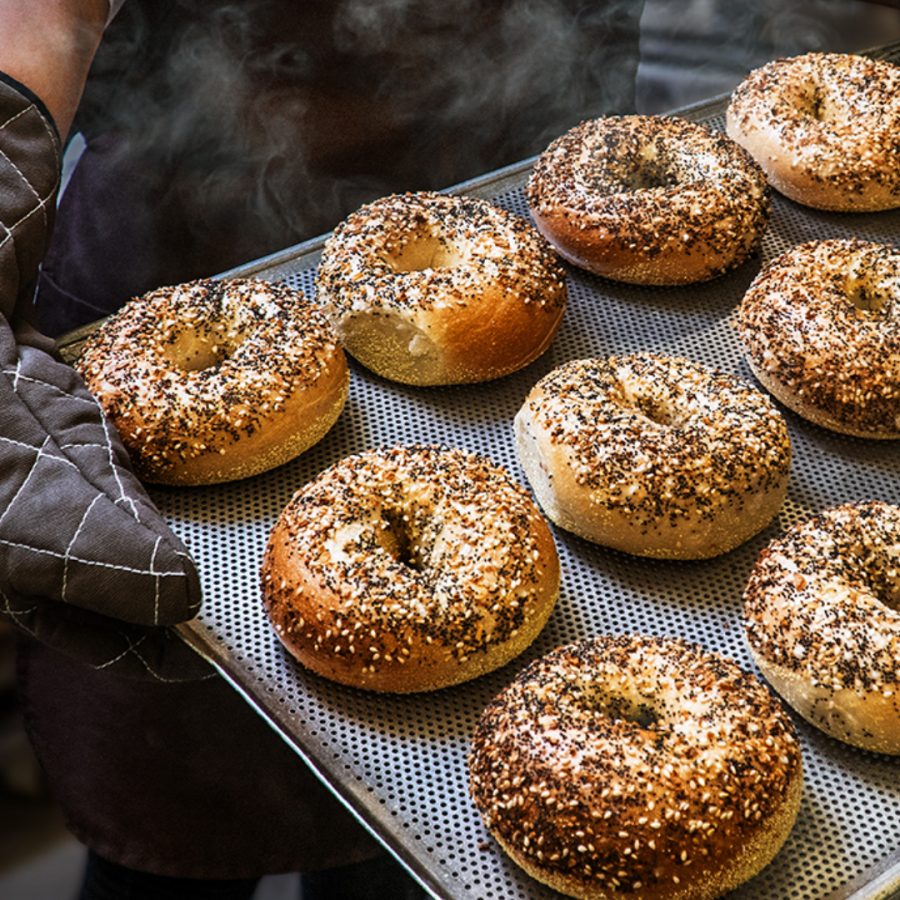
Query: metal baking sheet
[[399, 763]]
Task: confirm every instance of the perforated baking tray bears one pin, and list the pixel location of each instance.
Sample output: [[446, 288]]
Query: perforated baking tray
[[399, 763]]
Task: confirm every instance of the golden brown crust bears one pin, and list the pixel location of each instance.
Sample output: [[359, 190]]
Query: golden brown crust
[[431, 289], [212, 381], [649, 199], [822, 612], [825, 127], [637, 765], [409, 569], [820, 326], [653, 455]]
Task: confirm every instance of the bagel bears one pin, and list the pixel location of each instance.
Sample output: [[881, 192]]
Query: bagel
[[212, 381], [822, 616], [654, 455], [649, 199], [825, 127], [636, 766], [820, 327], [431, 289], [409, 569]]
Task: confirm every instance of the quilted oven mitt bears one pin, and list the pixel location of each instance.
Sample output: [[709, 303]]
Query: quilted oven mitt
[[87, 563]]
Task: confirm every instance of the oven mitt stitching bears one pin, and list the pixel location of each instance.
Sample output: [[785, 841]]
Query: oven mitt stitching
[[98, 535]]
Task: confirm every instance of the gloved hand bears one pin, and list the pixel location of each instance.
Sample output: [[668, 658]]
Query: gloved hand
[[87, 563]]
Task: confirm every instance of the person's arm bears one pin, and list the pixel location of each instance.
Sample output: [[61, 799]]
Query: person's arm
[[48, 46]]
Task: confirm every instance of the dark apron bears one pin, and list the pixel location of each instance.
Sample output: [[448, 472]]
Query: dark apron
[[178, 779]]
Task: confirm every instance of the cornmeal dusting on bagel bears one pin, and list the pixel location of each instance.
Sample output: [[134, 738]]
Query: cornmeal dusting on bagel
[[654, 455], [636, 765], [822, 610], [408, 569], [821, 329], [825, 127], [427, 288], [649, 199], [215, 380]]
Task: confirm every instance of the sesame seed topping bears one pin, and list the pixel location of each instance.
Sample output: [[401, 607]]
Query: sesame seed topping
[[624, 713], [821, 323], [429, 551], [195, 369], [649, 199]]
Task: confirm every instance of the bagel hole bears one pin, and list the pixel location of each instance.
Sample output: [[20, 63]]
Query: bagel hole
[[620, 708], [885, 586], [649, 174], [193, 351], [661, 413], [864, 296], [425, 251], [633, 170], [814, 103], [399, 539], [634, 394]]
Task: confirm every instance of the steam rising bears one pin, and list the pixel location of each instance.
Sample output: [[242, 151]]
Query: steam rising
[[269, 120], [285, 116]]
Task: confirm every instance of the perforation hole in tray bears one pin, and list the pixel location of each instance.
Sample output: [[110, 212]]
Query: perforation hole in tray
[[401, 760]]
